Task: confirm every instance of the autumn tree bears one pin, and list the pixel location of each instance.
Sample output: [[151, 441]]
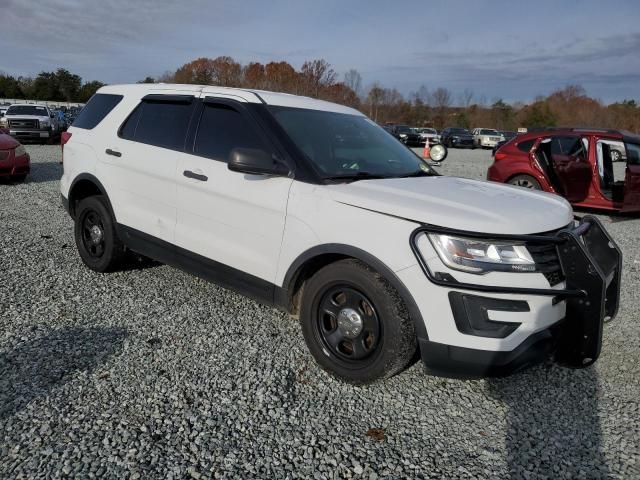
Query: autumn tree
[[253, 75], [316, 75]]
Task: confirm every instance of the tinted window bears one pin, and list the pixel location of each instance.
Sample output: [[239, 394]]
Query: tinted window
[[222, 129], [526, 145], [161, 124], [98, 107], [128, 128]]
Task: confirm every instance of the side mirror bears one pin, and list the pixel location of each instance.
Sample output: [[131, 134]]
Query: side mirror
[[256, 162]]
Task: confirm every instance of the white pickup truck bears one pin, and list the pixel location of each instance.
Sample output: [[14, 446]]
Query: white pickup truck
[[31, 122]]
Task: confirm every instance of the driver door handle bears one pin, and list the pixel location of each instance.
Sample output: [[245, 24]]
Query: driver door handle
[[115, 153], [195, 176]]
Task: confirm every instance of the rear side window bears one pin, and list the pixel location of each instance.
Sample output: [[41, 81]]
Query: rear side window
[[526, 145], [96, 109], [163, 124], [222, 129]]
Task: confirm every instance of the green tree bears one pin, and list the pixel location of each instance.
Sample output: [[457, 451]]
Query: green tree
[[539, 115], [9, 87], [68, 84], [87, 90]]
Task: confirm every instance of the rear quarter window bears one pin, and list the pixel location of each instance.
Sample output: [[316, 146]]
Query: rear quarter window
[[526, 145], [96, 109], [159, 123]]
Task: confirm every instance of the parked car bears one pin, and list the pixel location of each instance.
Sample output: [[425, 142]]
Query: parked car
[[15, 162], [457, 138], [311, 207], [574, 163], [486, 137], [428, 133], [404, 133], [31, 122]]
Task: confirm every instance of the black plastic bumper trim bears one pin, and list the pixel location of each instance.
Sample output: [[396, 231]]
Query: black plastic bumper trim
[[459, 362], [471, 314]]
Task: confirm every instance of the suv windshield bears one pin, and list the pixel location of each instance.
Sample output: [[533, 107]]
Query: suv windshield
[[486, 131], [403, 129], [458, 130], [343, 146], [27, 110]]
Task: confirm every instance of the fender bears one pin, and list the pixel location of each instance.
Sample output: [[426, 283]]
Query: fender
[[91, 178], [367, 258]]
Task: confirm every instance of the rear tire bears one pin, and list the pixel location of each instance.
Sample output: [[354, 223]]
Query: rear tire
[[355, 324], [525, 181], [19, 178], [96, 237]]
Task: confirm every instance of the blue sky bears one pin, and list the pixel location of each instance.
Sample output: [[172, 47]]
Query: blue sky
[[513, 50]]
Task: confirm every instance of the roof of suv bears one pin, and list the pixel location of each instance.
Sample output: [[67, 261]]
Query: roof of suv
[[250, 95]]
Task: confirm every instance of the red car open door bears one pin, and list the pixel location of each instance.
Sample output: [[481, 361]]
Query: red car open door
[[632, 189], [565, 161]]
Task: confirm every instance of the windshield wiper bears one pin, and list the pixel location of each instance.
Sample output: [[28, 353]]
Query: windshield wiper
[[356, 176], [418, 173]]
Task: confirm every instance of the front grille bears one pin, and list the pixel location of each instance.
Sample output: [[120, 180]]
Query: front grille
[[26, 123], [547, 261]]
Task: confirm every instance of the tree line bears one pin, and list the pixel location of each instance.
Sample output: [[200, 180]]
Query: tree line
[[61, 85], [570, 106]]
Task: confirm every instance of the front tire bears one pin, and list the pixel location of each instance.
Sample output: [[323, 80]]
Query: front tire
[[98, 243], [355, 324]]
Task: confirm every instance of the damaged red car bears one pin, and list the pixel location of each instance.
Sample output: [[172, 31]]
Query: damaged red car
[[15, 162], [590, 168]]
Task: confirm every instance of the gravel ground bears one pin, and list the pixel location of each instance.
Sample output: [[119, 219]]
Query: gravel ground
[[152, 373]]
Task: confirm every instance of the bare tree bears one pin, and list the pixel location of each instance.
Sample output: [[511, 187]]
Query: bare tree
[[353, 80], [315, 75], [441, 101], [466, 98], [441, 98], [374, 99]]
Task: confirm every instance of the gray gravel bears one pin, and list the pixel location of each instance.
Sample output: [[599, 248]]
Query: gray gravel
[[151, 373]]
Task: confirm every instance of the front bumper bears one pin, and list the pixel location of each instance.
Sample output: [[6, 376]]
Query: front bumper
[[591, 263], [30, 134], [462, 142], [13, 166]]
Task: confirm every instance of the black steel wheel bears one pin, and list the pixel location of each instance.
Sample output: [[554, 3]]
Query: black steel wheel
[[96, 237], [355, 324], [92, 233], [347, 323]]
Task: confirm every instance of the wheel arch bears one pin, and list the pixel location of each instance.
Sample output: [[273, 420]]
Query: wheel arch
[[83, 186], [312, 260]]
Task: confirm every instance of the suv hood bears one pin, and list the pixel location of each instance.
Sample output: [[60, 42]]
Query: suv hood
[[459, 203]]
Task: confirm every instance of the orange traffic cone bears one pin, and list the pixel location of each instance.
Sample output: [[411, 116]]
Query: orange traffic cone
[[426, 153]]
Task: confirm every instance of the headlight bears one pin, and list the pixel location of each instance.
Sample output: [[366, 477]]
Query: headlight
[[3, 121], [403, 135], [479, 256], [20, 150], [44, 123]]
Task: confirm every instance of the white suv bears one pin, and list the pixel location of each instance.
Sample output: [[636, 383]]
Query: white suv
[[486, 137], [312, 207]]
